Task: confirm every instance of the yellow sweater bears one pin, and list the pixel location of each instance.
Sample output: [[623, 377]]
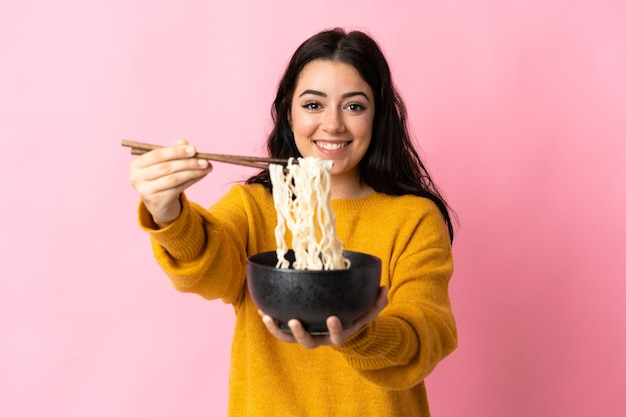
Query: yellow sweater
[[379, 371]]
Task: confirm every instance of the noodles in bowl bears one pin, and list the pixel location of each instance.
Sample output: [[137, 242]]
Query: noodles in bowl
[[317, 278], [312, 296]]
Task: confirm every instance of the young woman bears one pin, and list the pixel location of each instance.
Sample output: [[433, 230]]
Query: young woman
[[336, 101]]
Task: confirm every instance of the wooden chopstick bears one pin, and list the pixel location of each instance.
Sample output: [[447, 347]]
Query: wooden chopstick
[[138, 148]]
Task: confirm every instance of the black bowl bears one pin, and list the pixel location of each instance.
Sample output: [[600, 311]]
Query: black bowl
[[313, 296]]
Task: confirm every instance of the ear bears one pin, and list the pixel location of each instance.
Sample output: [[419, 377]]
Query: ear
[[289, 118]]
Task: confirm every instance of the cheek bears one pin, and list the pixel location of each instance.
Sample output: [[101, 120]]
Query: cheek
[[363, 129], [302, 124]]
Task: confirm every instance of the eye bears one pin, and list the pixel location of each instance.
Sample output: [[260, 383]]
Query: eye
[[312, 105], [355, 107]]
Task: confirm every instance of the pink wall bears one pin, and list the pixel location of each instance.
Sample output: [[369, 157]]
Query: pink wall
[[520, 111]]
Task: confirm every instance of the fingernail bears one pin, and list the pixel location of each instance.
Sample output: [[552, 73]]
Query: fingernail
[[189, 150], [203, 163]]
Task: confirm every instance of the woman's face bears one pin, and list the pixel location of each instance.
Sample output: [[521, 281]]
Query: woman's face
[[332, 114]]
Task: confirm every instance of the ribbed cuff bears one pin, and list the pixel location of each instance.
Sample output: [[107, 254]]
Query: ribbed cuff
[[184, 238], [379, 344]]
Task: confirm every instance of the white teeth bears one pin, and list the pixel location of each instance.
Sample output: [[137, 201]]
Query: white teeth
[[331, 146]]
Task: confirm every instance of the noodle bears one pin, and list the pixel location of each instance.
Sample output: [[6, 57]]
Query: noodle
[[302, 202]]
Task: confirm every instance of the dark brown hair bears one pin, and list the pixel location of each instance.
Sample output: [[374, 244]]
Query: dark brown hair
[[391, 164]]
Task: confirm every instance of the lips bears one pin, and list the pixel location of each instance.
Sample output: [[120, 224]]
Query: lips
[[331, 146]]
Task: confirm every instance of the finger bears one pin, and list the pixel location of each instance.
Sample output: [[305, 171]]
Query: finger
[[174, 183], [382, 299], [178, 171], [171, 173], [180, 150], [379, 305], [165, 164], [273, 328], [194, 180], [335, 330], [303, 337]]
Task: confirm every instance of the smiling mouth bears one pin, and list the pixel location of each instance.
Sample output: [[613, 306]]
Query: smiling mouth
[[331, 146]]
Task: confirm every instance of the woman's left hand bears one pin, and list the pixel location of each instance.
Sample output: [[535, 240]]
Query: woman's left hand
[[336, 334]]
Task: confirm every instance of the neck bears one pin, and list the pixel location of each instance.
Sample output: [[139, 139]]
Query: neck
[[347, 187]]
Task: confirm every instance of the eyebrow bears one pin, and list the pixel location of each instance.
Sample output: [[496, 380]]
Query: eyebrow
[[346, 95]]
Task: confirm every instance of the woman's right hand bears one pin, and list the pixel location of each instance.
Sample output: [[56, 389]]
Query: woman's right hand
[[161, 175]]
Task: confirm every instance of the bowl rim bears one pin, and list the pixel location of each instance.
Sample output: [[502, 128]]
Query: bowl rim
[[369, 261]]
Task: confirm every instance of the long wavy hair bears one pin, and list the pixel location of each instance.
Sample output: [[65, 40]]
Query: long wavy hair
[[391, 164]]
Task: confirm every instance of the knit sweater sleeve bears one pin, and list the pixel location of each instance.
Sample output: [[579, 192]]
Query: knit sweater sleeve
[[200, 251], [417, 329]]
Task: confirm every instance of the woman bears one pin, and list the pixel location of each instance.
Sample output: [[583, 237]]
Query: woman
[[335, 101]]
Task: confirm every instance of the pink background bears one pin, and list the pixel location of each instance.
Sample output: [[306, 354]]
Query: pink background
[[519, 108]]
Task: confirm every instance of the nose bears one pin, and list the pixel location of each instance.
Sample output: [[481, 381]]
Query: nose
[[333, 120]]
